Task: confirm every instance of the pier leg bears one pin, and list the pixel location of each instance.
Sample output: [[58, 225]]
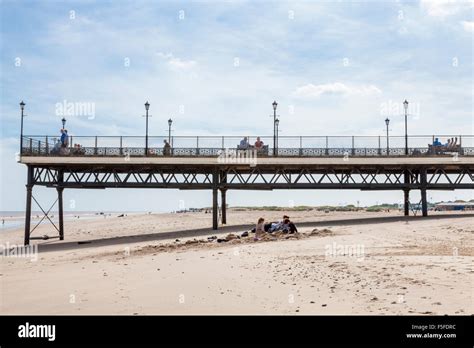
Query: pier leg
[[406, 200], [214, 209], [406, 195], [223, 204], [60, 204], [60, 212], [424, 202], [29, 193], [29, 190]]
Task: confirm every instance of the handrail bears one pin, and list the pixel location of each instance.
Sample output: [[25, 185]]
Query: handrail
[[262, 136]]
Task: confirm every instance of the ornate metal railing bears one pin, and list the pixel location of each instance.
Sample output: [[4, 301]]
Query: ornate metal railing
[[211, 146]]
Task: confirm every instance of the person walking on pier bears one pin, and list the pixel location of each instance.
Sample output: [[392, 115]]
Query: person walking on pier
[[166, 148], [64, 143], [64, 138]]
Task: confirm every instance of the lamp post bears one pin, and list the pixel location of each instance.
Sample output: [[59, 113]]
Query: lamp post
[[274, 104], [63, 122], [387, 122], [22, 107], [170, 122], [147, 107], [405, 105], [277, 122]]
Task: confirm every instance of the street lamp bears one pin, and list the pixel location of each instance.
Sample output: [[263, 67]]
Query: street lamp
[[22, 107], [64, 122], [406, 192], [387, 122], [170, 122], [274, 104], [405, 105], [147, 107]]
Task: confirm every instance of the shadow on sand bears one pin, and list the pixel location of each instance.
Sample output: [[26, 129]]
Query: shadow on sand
[[201, 232]]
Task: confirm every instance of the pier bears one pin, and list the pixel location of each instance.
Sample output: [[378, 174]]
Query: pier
[[215, 163]]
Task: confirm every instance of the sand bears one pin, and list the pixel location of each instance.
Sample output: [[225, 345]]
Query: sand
[[377, 263]]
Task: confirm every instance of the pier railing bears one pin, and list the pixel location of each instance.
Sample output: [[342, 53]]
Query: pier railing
[[209, 146]]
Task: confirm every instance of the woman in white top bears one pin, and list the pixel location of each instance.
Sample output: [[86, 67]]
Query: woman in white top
[[259, 229]]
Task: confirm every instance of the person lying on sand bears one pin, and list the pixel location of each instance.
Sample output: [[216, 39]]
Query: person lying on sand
[[272, 227], [287, 225]]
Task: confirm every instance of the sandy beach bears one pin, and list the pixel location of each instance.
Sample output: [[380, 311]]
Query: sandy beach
[[338, 263]]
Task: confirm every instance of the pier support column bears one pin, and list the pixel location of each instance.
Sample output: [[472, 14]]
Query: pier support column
[[29, 193], [406, 195], [424, 202], [29, 190], [214, 209], [215, 188], [406, 202], [60, 212], [223, 204], [60, 190]]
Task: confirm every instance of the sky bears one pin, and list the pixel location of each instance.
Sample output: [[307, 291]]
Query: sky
[[215, 67]]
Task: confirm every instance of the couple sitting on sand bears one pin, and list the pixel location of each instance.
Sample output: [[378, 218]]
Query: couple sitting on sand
[[285, 225]]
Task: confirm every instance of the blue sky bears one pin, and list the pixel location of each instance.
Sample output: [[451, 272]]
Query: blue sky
[[332, 66]]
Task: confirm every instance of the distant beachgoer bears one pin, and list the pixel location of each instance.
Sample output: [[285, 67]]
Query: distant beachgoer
[[258, 144], [166, 148], [259, 229], [244, 144], [436, 142]]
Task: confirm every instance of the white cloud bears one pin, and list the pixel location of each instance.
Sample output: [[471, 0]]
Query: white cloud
[[444, 8], [468, 26], [177, 63], [336, 88]]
